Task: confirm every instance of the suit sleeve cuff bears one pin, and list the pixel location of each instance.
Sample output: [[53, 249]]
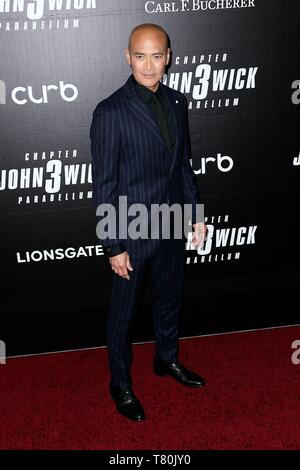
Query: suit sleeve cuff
[[113, 250], [197, 213]]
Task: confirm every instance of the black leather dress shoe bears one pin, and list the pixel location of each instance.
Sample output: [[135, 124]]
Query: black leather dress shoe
[[179, 373], [127, 403]]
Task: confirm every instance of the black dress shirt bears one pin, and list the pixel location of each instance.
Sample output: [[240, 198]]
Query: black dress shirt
[[159, 106]]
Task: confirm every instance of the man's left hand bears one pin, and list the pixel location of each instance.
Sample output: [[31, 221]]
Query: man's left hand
[[199, 234]]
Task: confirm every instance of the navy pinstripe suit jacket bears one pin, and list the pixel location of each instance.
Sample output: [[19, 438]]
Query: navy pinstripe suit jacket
[[130, 158]]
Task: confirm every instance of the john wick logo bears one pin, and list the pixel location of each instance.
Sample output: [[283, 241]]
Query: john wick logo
[[47, 183], [36, 10], [222, 243], [209, 82]]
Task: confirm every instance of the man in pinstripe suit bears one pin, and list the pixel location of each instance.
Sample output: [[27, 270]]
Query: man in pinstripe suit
[[140, 148]]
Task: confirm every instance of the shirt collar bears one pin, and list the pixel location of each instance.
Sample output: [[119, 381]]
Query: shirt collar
[[145, 93]]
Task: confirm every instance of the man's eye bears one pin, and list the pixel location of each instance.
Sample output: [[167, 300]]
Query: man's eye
[[158, 57]]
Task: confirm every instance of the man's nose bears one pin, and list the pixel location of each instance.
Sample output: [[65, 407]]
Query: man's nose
[[148, 63]]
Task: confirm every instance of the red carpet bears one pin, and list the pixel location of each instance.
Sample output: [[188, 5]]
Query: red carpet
[[251, 401]]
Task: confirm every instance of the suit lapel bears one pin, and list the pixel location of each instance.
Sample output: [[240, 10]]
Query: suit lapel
[[140, 109], [176, 112], [142, 112]]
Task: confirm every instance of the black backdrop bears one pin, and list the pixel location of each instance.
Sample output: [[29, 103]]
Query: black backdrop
[[238, 65]]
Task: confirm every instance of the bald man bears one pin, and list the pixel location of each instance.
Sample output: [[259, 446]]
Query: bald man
[[140, 149]]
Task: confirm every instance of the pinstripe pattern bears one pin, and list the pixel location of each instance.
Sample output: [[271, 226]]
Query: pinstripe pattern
[[166, 271], [130, 157]]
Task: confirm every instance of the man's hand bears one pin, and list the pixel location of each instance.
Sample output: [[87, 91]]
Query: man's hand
[[199, 235], [120, 264]]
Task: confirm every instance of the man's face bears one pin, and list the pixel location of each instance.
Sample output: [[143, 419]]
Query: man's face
[[148, 57]]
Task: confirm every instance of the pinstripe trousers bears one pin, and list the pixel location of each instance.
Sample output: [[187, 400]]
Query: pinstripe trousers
[[166, 271]]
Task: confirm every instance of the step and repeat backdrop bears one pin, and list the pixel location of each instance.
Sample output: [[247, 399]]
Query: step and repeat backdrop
[[237, 62]]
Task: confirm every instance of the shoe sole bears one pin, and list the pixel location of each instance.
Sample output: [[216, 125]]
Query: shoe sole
[[163, 374], [135, 420]]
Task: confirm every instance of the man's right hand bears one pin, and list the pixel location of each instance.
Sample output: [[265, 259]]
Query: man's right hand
[[120, 264]]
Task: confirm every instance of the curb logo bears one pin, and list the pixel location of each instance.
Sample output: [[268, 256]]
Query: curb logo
[[22, 95], [224, 163]]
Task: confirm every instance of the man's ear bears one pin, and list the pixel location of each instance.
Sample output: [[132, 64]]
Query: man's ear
[[127, 55], [168, 56]]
